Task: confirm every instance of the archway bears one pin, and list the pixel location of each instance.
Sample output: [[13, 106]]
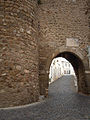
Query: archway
[[78, 60], [78, 66], [60, 67]]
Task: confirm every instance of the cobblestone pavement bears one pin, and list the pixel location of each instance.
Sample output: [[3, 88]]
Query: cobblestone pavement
[[63, 103]]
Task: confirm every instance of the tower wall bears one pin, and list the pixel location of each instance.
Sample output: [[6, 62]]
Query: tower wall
[[18, 52]]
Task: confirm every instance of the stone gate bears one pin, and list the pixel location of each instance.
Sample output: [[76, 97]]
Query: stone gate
[[32, 33]]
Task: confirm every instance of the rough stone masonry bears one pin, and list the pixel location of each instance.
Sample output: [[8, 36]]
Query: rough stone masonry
[[32, 33]]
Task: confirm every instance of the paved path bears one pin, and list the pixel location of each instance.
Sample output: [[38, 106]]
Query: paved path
[[63, 104]]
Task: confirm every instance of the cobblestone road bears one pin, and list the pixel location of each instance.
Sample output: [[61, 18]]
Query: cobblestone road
[[63, 103]]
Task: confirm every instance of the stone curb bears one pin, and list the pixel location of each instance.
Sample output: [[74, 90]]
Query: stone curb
[[22, 106]]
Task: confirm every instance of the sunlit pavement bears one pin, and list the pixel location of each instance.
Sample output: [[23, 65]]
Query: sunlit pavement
[[63, 103]]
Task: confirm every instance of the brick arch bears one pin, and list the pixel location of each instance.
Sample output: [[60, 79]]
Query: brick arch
[[76, 58]]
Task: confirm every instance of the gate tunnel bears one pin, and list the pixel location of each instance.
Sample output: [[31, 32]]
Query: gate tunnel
[[79, 69]]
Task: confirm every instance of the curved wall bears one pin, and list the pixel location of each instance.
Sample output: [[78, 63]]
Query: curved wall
[[18, 53]]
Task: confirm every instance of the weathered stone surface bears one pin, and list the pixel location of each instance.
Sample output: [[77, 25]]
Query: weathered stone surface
[[18, 67], [28, 28], [59, 20], [18, 53], [26, 71]]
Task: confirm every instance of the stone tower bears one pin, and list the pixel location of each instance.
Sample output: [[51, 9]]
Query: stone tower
[[18, 52]]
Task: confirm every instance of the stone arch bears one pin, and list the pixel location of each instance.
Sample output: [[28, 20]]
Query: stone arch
[[76, 58], [52, 55]]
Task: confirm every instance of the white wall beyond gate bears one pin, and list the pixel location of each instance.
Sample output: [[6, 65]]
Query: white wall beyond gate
[[59, 67]]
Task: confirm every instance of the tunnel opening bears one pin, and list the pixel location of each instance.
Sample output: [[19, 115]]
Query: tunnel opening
[[61, 67], [78, 67]]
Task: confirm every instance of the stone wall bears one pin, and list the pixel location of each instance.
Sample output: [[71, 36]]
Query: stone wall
[[52, 27], [18, 52], [60, 20]]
